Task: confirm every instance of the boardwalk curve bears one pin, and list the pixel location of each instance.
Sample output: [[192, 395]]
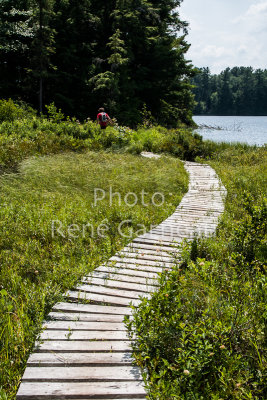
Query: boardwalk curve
[[84, 352]]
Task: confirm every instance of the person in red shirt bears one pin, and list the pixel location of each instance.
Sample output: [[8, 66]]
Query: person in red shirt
[[103, 118]]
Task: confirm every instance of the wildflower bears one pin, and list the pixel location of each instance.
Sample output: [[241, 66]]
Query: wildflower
[[238, 385], [167, 295], [202, 263], [186, 372], [222, 346], [36, 272]]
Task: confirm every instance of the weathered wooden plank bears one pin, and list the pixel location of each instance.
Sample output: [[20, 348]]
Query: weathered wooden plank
[[78, 346], [183, 228], [91, 309], [158, 248], [62, 316], [106, 290], [138, 287], [187, 231], [160, 238], [147, 250], [202, 208], [139, 261], [157, 235], [121, 278], [102, 298], [85, 326], [86, 390], [128, 271], [79, 359], [173, 223], [82, 374], [202, 214], [145, 255], [83, 335], [156, 241], [132, 265]]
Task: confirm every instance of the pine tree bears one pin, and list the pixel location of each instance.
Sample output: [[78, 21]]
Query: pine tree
[[16, 34], [118, 53]]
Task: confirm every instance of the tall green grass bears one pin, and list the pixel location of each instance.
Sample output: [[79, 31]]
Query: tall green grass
[[203, 334], [36, 268]]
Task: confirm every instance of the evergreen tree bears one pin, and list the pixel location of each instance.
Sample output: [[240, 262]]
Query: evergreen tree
[[16, 34], [118, 53], [225, 100], [41, 46]]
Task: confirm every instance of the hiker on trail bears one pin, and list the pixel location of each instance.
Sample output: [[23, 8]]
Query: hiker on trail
[[103, 118]]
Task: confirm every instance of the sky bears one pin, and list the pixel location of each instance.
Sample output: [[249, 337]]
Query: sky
[[226, 33]]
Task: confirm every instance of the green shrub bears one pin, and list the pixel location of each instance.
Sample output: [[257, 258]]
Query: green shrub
[[9, 111], [54, 114], [202, 335]]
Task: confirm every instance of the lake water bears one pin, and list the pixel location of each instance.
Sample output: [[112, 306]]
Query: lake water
[[251, 130]]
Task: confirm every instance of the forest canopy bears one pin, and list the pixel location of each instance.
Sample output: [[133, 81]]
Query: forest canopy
[[236, 91], [84, 54]]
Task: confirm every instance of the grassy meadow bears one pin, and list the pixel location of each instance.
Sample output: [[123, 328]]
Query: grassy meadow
[[36, 268]]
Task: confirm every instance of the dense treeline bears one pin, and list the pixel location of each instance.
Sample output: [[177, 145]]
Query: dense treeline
[[83, 54], [236, 91]]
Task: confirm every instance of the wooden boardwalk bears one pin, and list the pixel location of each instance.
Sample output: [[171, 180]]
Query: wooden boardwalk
[[84, 352]]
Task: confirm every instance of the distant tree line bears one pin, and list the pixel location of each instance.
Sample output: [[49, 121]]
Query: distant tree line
[[236, 91], [84, 54]]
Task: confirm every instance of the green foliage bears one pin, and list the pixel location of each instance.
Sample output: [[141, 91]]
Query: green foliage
[[10, 111], [54, 114], [116, 45], [249, 243], [202, 334], [23, 134]]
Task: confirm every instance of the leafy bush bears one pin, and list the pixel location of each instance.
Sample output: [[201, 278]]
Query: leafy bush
[[54, 114], [201, 336], [9, 111]]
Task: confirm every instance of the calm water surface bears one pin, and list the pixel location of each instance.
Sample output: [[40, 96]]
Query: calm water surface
[[251, 130]]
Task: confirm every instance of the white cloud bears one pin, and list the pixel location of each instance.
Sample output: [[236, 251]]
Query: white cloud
[[254, 18], [194, 24], [255, 10], [211, 51], [228, 34]]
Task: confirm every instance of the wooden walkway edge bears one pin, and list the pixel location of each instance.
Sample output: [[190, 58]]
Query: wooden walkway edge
[[84, 352]]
